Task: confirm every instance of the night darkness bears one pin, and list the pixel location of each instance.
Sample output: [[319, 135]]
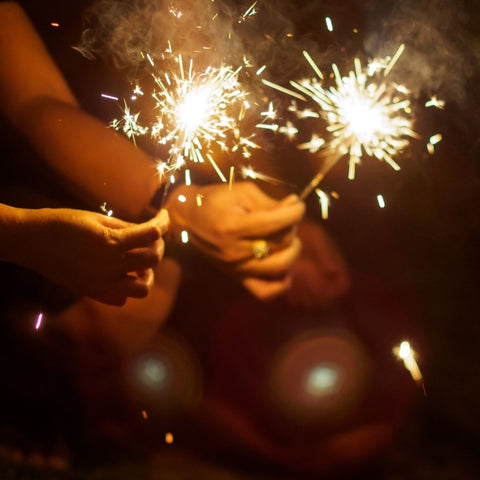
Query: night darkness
[[414, 268]]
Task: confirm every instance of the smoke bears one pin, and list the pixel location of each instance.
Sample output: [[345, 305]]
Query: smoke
[[442, 51], [122, 31]]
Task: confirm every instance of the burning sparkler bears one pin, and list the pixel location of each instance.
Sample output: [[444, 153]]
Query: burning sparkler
[[192, 113], [364, 114], [405, 352]]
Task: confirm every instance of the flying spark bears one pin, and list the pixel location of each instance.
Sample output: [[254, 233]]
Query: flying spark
[[329, 24], [405, 352], [38, 323]]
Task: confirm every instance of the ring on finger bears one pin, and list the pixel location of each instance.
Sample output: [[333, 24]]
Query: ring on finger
[[260, 249]]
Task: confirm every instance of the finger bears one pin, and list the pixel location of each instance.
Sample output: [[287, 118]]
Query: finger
[[143, 234], [274, 265], [262, 223], [143, 258], [253, 197], [136, 286], [267, 289]]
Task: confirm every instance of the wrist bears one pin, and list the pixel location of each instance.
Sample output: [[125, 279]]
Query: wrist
[[16, 230]]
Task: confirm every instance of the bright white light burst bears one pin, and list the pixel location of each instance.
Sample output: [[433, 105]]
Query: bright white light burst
[[192, 112], [364, 114]]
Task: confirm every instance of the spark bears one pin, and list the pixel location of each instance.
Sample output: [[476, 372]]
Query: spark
[[364, 114], [324, 202], [169, 438], [184, 236], [249, 172], [251, 10], [231, 177], [405, 352], [105, 210], [261, 70], [129, 124], [110, 97], [54, 24], [182, 198], [188, 178], [381, 201], [435, 102], [193, 113], [329, 23], [434, 139], [314, 145], [38, 323], [176, 13], [144, 415]]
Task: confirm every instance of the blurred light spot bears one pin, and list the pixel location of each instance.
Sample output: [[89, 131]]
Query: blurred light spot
[[152, 372], [182, 198], [54, 24], [322, 380], [184, 236], [144, 415], [168, 438]]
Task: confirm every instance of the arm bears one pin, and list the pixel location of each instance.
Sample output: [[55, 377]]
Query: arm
[[91, 254], [97, 164]]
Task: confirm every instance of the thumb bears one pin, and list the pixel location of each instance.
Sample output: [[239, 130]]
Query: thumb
[[144, 234]]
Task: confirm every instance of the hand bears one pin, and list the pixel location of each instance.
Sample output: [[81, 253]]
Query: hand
[[320, 275], [225, 223], [94, 255]]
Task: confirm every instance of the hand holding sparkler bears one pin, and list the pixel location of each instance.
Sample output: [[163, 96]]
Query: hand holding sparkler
[[229, 227], [90, 254]]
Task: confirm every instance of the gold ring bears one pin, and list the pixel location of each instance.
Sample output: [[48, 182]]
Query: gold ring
[[260, 249]]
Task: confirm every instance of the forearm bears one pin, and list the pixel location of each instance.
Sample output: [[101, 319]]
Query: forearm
[[96, 163], [14, 226]]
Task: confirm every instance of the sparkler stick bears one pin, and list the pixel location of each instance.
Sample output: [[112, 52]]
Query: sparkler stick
[[330, 160]]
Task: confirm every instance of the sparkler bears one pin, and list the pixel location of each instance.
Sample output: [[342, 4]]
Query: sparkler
[[193, 112], [405, 353], [364, 114]]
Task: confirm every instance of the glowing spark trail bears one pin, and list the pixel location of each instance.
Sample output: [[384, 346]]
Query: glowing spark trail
[[38, 323], [364, 114], [405, 353], [193, 113]]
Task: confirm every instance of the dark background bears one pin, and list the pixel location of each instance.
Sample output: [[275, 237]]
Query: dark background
[[423, 246]]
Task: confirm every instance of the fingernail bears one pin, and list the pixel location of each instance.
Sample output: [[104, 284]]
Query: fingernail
[[290, 199]]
